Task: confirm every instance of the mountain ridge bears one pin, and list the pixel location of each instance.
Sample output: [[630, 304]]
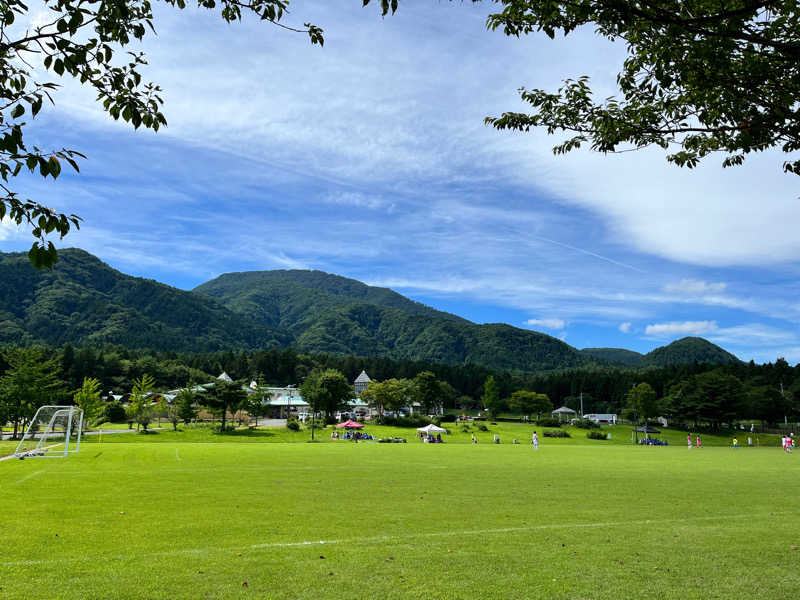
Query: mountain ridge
[[84, 301]]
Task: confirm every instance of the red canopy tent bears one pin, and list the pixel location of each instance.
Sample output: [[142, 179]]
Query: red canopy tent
[[350, 425]]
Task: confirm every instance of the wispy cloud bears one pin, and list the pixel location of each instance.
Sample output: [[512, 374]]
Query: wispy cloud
[[694, 287], [379, 167], [554, 324], [681, 328]]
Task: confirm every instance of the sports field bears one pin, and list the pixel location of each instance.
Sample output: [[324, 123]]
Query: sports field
[[293, 520]]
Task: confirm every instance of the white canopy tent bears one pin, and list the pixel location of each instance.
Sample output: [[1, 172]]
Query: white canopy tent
[[431, 429], [563, 411]]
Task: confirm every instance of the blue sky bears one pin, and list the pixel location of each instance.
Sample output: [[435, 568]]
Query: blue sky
[[369, 158]]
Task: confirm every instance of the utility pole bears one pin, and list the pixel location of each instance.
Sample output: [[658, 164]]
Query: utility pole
[[785, 421], [581, 405]]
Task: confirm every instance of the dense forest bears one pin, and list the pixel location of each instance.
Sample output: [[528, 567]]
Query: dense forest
[[698, 391]]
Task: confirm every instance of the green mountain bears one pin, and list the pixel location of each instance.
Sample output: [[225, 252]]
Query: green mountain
[[328, 313], [84, 301], [680, 352], [616, 356], [688, 350]]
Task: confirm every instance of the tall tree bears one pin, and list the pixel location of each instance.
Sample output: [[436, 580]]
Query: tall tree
[[392, 394], [257, 403], [703, 76], [226, 396], [642, 403], [140, 409], [427, 391], [88, 398], [326, 391], [530, 403], [30, 381], [491, 396], [186, 405]]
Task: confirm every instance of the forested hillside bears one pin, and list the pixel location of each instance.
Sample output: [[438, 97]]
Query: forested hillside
[[84, 301], [684, 351], [616, 356], [327, 313], [687, 350]]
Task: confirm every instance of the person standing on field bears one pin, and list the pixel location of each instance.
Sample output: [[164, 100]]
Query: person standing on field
[[689, 440], [699, 443], [535, 441]]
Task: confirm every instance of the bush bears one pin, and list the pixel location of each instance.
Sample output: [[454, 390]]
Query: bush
[[446, 418], [412, 421], [596, 435], [465, 428], [556, 433], [293, 425], [330, 420], [586, 424], [114, 412], [482, 427], [548, 422]]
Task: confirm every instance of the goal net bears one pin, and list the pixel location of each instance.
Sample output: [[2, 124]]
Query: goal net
[[54, 432]]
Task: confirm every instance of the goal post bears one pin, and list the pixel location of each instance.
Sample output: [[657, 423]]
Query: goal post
[[54, 432]]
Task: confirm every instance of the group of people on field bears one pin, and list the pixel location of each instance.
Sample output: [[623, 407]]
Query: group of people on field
[[496, 440], [689, 441]]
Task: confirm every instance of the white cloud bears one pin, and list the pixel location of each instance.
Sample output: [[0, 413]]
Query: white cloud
[[754, 334], [681, 328], [10, 230], [356, 199], [694, 287], [370, 159], [546, 323]]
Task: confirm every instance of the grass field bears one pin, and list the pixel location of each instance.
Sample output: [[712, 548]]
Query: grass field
[[227, 520]]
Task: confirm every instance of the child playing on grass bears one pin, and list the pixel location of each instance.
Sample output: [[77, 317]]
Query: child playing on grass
[[535, 441]]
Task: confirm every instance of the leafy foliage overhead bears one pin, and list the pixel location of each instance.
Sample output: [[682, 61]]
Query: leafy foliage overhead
[[701, 77]]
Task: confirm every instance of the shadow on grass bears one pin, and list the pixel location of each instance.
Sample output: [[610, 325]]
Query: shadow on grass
[[244, 433]]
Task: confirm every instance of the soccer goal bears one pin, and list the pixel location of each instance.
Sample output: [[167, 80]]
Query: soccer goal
[[54, 432]]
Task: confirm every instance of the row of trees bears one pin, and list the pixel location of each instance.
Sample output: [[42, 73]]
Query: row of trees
[[690, 393], [31, 380], [713, 398], [395, 394]]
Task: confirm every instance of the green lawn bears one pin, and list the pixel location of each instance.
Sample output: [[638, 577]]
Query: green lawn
[[582, 520], [620, 435]]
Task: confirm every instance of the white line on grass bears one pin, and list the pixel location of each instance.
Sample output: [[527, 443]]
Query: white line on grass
[[398, 538], [29, 476]]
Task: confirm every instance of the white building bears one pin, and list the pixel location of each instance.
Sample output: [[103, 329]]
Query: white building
[[361, 383], [602, 418]]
